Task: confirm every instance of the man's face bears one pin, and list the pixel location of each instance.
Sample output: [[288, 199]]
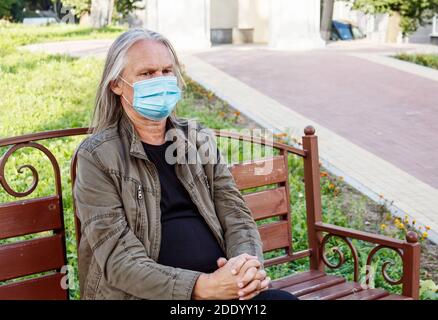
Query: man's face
[[146, 59]]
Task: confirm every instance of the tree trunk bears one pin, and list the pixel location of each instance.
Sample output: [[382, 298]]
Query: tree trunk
[[326, 19], [101, 12], [393, 31]]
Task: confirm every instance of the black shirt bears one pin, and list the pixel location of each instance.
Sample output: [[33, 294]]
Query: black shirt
[[186, 240]]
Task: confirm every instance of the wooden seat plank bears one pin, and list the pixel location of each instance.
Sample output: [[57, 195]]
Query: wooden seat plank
[[395, 297], [310, 286], [369, 294], [295, 279], [333, 292]]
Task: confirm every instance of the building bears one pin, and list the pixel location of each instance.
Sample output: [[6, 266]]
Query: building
[[197, 24], [280, 24]]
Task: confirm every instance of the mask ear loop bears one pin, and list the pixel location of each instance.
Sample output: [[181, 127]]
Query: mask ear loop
[[122, 94]]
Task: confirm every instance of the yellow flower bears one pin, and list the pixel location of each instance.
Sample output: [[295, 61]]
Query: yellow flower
[[427, 228], [383, 226], [401, 226], [424, 235], [331, 185]]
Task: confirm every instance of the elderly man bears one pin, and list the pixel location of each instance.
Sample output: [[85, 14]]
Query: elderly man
[[154, 225]]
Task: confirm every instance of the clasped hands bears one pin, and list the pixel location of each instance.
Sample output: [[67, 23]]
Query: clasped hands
[[241, 278]]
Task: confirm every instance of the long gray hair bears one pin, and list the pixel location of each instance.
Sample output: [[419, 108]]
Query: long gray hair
[[107, 109]]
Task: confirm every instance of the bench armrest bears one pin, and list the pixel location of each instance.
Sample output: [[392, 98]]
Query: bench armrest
[[408, 250]]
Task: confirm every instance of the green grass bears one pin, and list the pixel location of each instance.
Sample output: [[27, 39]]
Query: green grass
[[426, 60], [45, 92]]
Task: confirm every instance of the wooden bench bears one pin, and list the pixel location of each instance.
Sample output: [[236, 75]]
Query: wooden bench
[[48, 253]]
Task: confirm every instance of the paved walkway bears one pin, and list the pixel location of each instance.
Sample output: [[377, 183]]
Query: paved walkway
[[376, 117]]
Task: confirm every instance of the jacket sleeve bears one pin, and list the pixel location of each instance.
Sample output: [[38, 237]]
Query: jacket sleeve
[[118, 252], [240, 230]]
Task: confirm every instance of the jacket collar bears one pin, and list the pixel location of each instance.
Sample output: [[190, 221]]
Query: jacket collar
[[136, 147]]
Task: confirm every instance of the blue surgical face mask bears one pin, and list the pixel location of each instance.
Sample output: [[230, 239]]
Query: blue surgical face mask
[[155, 98]]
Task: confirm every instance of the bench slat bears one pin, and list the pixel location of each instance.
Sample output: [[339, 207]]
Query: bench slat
[[395, 297], [268, 171], [296, 278], [31, 256], [369, 294], [267, 203], [287, 257], [274, 235], [310, 286], [29, 216], [333, 292], [42, 288]]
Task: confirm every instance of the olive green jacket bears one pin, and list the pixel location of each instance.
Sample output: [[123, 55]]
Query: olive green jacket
[[117, 197]]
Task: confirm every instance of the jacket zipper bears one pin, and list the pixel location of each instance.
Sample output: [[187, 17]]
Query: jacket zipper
[[139, 221], [139, 193]]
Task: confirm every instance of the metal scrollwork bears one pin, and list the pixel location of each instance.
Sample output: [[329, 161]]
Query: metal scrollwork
[[384, 266], [35, 177], [339, 253]]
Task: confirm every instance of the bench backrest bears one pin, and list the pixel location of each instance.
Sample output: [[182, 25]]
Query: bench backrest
[[27, 260]]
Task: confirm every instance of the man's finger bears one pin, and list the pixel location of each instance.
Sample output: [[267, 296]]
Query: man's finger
[[249, 264], [261, 275], [249, 276], [239, 261], [252, 286], [264, 285], [250, 296], [221, 262]]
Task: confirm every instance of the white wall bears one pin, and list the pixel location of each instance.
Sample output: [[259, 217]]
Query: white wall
[[223, 14], [186, 23], [242, 14], [295, 24]]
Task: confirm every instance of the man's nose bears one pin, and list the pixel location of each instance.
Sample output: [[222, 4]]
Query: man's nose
[[158, 73]]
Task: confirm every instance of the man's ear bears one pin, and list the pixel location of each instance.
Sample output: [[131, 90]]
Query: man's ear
[[116, 87]]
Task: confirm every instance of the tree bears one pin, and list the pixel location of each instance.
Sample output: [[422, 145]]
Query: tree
[[125, 7], [80, 6], [6, 9], [16, 10], [413, 13], [327, 7], [102, 10]]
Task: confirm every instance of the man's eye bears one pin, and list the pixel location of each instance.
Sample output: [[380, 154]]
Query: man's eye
[[167, 71]]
